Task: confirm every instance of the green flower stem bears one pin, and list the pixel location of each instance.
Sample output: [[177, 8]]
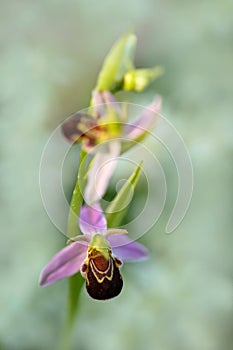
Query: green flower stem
[[76, 281], [75, 286]]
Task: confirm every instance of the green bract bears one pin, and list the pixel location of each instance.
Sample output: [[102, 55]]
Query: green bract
[[118, 207], [117, 62]]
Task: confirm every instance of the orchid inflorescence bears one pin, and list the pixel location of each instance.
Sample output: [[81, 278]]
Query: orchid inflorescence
[[104, 132]]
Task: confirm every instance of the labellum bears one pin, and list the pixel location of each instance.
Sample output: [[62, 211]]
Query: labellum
[[81, 127], [101, 270]]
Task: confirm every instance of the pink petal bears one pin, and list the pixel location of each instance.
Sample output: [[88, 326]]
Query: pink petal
[[125, 249], [65, 263], [110, 100], [92, 219], [100, 100], [145, 122], [102, 168], [98, 104]]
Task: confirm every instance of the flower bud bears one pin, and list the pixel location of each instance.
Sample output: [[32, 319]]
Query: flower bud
[[139, 79]]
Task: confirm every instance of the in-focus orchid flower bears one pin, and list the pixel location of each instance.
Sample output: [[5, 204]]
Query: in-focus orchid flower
[[108, 130], [98, 254]]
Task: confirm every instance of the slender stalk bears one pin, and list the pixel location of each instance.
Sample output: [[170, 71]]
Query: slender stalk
[[75, 286], [76, 281]]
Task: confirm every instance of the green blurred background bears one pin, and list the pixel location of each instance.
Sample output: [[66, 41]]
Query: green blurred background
[[51, 53]]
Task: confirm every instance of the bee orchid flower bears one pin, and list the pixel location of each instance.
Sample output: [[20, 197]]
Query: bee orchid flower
[[103, 135], [97, 254]]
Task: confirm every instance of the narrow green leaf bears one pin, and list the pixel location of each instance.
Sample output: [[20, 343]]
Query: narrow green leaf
[[77, 198], [118, 207], [117, 62]]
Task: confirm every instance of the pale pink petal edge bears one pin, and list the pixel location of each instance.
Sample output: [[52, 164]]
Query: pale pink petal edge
[[64, 264], [126, 249]]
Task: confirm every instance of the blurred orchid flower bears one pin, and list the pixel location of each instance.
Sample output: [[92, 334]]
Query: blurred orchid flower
[[108, 122], [103, 134], [98, 254]]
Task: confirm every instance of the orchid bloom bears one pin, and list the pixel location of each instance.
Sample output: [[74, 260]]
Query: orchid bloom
[[106, 129], [98, 254]]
